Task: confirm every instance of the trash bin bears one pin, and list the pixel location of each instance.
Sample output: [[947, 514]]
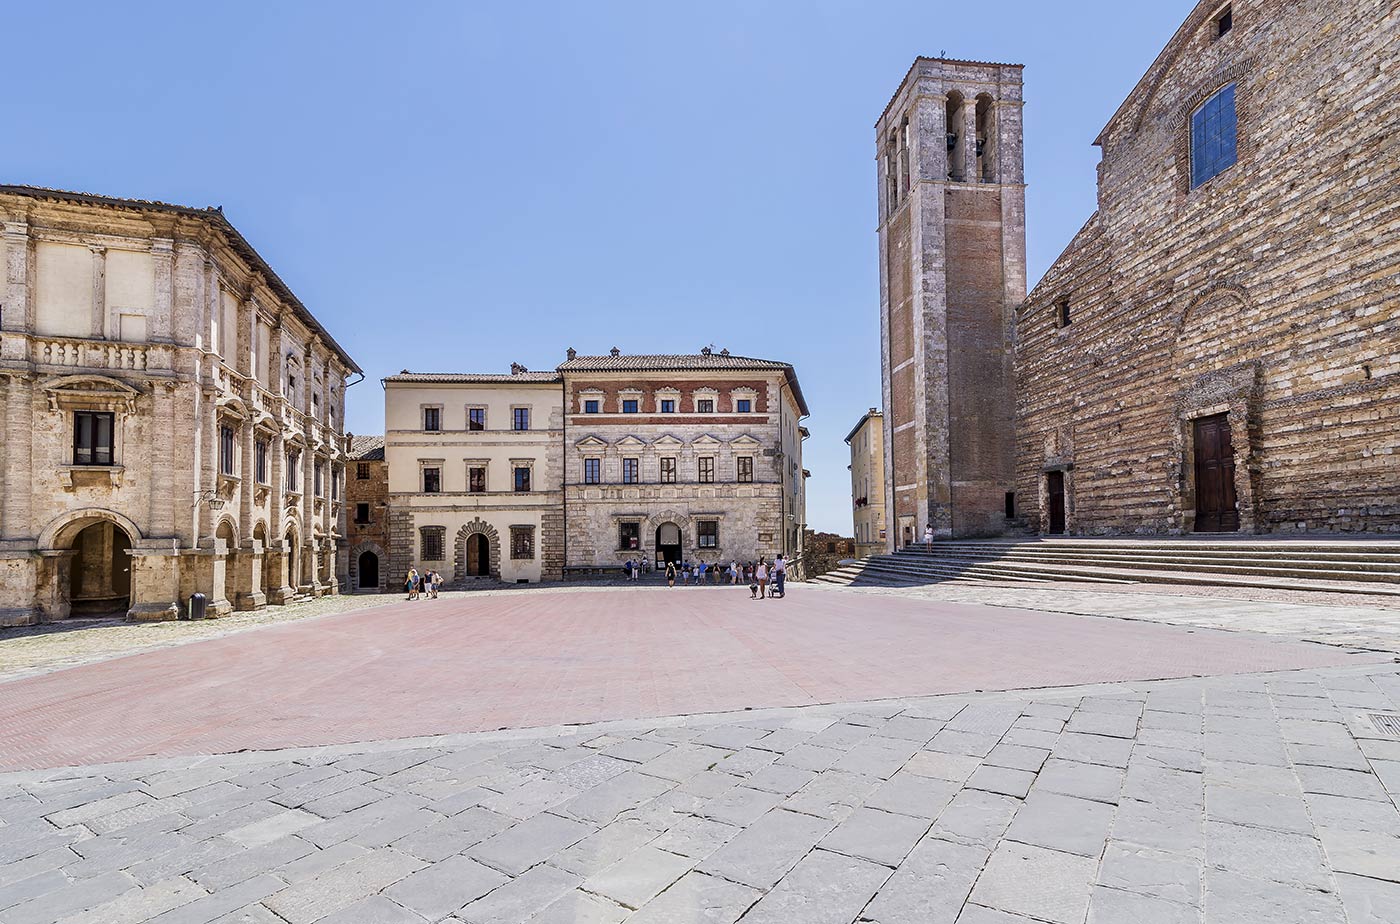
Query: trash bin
[[197, 606]]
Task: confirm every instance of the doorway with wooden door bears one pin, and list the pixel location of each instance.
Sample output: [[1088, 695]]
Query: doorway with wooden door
[[1055, 502], [1217, 510]]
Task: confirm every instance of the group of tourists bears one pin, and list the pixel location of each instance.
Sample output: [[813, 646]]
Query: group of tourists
[[635, 568], [424, 583], [757, 574]]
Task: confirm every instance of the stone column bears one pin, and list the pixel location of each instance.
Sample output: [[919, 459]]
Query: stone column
[[17, 471], [99, 292], [969, 147], [250, 577], [155, 585]]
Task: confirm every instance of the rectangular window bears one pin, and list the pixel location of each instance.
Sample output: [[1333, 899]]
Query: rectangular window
[[476, 479], [433, 543], [432, 480], [629, 471], [629, 536], [318, 479], [668, 406], [476, 418], [260, 461], [226, 450], [1213, 128], [592, 471], [522, 543], [522, 479], [335, 483], [590, 407], [293, 467], [362, 513], [629, 406], [707, 532], [92, 438], [1062, 316], [745, 468], [520, 418], [668, 470], [707, 469], [743, 405], [432, 419], [705, 406], [1224, 22], [362, 471]]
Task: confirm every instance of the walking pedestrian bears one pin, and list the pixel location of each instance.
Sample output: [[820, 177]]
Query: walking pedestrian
[[670, 574], [760, 575], [627, 568], [779, 576], [734, 571], [434, 582], [928, 538], [411, 583]]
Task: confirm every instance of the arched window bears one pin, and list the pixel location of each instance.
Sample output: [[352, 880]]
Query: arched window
[[956, 142], [986, 140]]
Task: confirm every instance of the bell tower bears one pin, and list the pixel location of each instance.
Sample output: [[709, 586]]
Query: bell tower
[[952, 273]]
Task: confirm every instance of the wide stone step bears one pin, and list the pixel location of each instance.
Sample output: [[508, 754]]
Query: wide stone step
[[1067, 572], [1301, 568], [991, 572]]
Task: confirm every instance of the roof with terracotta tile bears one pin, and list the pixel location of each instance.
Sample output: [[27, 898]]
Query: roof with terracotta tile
[[367, 448], [476, 378]]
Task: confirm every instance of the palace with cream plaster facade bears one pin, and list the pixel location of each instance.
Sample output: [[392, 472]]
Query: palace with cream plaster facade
[[173, 415]]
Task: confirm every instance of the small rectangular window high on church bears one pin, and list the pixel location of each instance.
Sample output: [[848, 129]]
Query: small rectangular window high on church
[[1224, 22]]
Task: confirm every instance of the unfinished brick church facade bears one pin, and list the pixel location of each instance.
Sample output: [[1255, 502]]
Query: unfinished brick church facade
[[1218, 348]]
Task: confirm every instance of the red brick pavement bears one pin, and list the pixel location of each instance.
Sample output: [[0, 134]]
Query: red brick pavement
[[476, 663]]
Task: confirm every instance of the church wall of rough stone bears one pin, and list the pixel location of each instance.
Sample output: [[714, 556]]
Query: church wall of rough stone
[[1267, 293]]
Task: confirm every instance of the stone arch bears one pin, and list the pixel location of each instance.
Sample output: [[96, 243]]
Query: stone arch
[[1196, 337], [227, 530], [477, 526], [292, 554], [62, 529], [381, 562], [667, 516], [986, 126]]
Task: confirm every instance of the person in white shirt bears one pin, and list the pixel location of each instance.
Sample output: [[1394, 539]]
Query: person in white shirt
[[779, 577], [760, 574], [928, 538]]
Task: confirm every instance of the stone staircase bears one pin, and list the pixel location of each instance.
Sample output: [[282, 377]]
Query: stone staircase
[[1331, 565]]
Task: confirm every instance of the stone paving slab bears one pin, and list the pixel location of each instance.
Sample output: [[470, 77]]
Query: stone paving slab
[[1108, 828]]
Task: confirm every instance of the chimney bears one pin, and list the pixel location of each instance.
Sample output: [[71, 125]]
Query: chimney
[[572, 353], [614, 352], [706, 351], [516, 369], [724, 352]]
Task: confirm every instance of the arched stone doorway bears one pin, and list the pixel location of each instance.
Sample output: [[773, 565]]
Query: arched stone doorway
[[368, 571], [478, 555], [668, 543], [478, 551], [292, 552], [99, 572]]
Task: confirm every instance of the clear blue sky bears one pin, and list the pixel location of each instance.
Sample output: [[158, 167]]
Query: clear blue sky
[[456, 186]]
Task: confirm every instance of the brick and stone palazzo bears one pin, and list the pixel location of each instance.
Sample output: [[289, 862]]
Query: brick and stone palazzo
[[532, 476], [692, 457], [173, 415]]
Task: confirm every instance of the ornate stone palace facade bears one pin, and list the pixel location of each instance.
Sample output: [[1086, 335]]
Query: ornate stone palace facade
[[1218, 348], [523, 477], [173, 415]]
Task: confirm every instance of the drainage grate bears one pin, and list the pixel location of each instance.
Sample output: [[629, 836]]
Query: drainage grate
[[1385, 723]]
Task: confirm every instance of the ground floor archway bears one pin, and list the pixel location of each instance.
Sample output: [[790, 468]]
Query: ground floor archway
[[368, 571], [99, 572], [668, 543], [478, 555]]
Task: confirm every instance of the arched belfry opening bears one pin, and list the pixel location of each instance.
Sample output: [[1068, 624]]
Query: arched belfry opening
[[986, 139], [957, 144]]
